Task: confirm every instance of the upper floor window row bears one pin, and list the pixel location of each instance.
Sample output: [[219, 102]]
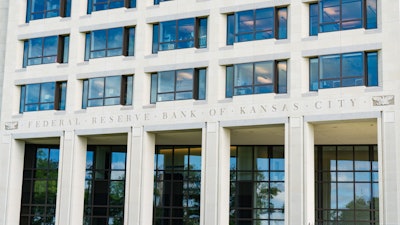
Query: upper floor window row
[[43, 96], [178, 85], [103, 91], [344, 70], [110, 42], [256, 78], [257, 24], [178, 34], [98, 5], [335, 15], [40, 9], [44, 50]]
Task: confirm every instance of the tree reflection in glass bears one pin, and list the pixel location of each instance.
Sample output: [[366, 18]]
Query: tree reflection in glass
[[347, 185], [177, 182], [257, 194]]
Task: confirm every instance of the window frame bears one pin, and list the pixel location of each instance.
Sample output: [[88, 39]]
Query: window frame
[[177, 177], [93, 184], [274, 152], [59, 95], [369, 80], [196, 38], [127, 45], [62, 51], [199, 83], [30, 177], [366, 21], [278, 87], [63, 10], [126, 82], [125, 3], [323, 176], [277, 26]]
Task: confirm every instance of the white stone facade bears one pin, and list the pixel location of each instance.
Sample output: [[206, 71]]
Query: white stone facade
[[298, 120]]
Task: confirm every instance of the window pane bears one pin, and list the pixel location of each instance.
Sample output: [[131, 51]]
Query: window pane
[[314, 75], [202, 84], [168, 31], [245, 21], [229, 82], [264, 73], [202, 33], [352, 65], [243, 74], [32, 93], [115, 37], [313, 11], [154, 88], [155, 38], [282, 15], [47, 92], [372, 68], [35, 47], [98, 39], [96, 88], [50, 46], [113, 86], [230, 39], [330, 66], [185, 29], [371, 14], [184, 80], [129, 90], [166, 81]]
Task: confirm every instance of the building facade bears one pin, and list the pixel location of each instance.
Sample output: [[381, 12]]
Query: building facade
[[210, 112]]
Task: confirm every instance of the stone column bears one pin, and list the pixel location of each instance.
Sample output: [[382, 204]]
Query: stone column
[[215, 175], [147, 178], [134, 176], [13, 181], [294, 171], [388, 165], [71, 179]]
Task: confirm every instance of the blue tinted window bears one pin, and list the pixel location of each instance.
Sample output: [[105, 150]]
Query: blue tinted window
[[40, 9], [157, 2], [282, 15], [43, 96], [102, 91], [46, 50], [98, 5], [372, 68], [110, 42], [178, 85], [178, 34], [257, 25], [313, 19], [256, 78], [371, 11], [335, 15], [344, 70], [230, 39]]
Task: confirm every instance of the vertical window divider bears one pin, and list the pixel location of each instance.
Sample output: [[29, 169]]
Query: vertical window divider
[[57, 95], [125, 50], [60, 50], [63, 7], [123, 90], [196, 84]]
